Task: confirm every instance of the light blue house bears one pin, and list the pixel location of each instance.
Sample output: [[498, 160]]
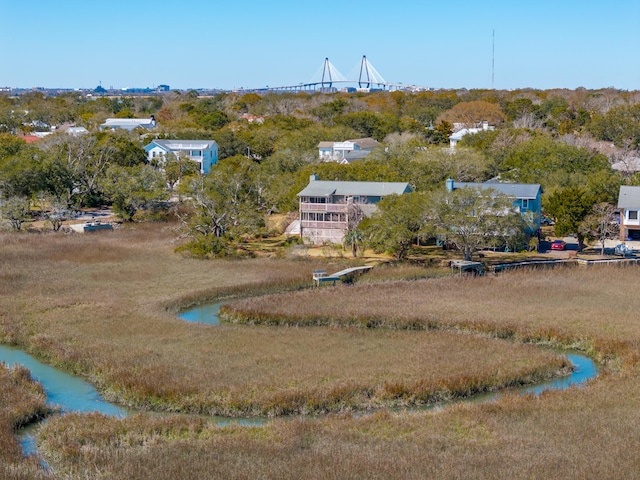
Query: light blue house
[[205, 152], [527, 197]]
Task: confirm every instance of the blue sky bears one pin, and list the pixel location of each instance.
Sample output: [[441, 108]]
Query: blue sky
[[247, 43]]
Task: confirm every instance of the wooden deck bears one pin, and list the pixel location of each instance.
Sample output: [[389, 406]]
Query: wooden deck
[[320, 276]]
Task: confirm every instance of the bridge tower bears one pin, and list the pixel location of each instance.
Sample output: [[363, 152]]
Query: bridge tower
[[326, 71], [368, 74]]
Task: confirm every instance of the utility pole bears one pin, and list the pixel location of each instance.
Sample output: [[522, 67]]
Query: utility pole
[[493, 57]]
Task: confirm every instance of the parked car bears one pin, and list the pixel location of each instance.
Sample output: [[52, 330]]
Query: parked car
[[558, 245], [546, 221]]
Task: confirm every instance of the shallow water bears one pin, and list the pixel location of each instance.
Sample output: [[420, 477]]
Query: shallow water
[[205, 314], [65, 391]]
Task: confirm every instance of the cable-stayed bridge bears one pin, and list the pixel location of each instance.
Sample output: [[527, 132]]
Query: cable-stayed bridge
[[329, 79]]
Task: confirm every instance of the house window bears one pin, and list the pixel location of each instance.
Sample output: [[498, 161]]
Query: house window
[[525, 203], [633, 215]]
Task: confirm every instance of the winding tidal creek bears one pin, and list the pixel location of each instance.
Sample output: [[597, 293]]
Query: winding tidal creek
[[73, 394]]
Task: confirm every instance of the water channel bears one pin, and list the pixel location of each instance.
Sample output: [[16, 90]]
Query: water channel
[[72, 394]]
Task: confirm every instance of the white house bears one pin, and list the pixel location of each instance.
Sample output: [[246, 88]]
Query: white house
[[129, 123], [337, 151], [458, 134], [205, 152], [629, 205]]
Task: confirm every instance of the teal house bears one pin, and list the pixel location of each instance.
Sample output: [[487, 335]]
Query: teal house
[[527, 197]]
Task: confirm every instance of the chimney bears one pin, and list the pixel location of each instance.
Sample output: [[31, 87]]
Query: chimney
[[449, 183], [153, 120], [313, 177], [485, 125]]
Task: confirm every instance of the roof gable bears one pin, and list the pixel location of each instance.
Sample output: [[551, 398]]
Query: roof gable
[[322, 188], [629, 197], [518, 190]]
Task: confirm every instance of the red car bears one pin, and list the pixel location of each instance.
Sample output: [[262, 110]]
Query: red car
[[558, 245]]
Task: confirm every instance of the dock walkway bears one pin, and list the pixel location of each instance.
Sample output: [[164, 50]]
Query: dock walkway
[[320, 276]]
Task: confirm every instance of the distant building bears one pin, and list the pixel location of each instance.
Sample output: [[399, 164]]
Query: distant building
[[205, 152], [457, 135], [527, 197], [129, 123], [163, 88], [337, 151], [76, 131], [325, 205]]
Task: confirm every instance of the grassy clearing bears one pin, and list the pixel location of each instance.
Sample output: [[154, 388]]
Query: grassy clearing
[[21, 402]]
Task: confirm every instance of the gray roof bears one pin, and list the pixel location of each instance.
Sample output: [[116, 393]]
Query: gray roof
[[323, 188], [356, 155], [517, 190], [185, 144], [629, 197]]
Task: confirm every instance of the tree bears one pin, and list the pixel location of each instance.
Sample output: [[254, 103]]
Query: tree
[[601, 223], [569, 207], [133, 188], [473, 113], [225, 206], [472, 218], [15, 210], [353, 237], [176, 167], [397, 223]]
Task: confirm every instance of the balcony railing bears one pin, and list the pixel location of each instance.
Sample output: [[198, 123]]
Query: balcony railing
[[324, 207], [316, 224]]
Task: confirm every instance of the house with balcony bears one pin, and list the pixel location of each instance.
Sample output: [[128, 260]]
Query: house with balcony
[[329, 208], [341, 151], [204, 152], [629, 206], [527, 197]]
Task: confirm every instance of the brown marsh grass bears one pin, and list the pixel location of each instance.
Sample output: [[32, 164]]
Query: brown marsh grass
[[581, 433], [103, 306], [589, 308], [21, 402]]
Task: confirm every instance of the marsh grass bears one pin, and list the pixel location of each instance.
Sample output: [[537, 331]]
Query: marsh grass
[[590, 309], [580, 433], [21, 402], [103, 306]]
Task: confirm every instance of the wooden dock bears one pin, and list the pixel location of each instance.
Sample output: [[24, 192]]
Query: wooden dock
[[320, 276]]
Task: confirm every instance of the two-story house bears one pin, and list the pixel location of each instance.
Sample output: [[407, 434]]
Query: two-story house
[[328, 207], [527, 197], [204, 152], [629, 205]]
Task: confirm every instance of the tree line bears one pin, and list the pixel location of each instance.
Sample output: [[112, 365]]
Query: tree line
[[566, 140]]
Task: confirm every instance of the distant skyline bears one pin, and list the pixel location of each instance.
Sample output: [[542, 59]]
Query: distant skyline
[[245, 43]]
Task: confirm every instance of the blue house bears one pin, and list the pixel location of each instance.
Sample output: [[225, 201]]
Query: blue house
[[204, 152], [527, 197]]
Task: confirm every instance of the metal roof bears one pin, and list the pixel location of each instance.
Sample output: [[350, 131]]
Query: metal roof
[[629, 197], [323, 188], [184, 144], [517, 190]]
